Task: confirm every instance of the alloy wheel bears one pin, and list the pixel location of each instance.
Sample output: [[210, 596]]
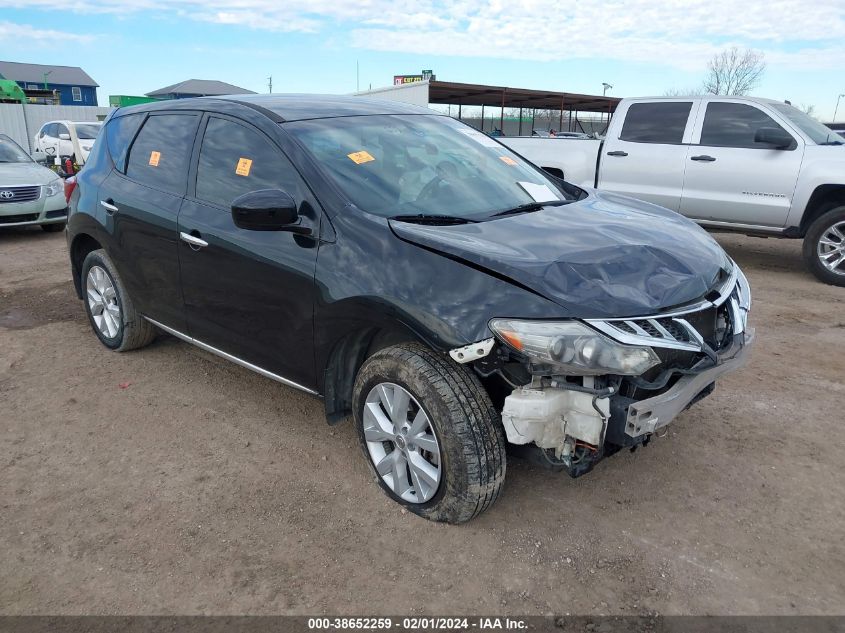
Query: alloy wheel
[[402, 443], [102, 301], [831, 248]]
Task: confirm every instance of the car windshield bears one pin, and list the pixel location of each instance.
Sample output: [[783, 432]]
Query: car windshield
[[87, 131], [409, 165], [11, 152], [818, 132]]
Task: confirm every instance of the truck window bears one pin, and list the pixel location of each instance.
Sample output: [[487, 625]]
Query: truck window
[[659, 122], [161, 152], [734, 125]]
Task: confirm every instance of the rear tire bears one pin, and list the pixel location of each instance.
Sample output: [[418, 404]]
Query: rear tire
[[825, 242], [109, 307], [55, 227], [464, 430]]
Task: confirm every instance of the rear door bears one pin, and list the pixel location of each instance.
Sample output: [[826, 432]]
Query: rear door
[[139, 204], [730, 177], [248, 293], [646, 158]]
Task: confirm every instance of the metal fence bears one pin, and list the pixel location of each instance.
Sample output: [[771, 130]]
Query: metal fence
[[22, 122]]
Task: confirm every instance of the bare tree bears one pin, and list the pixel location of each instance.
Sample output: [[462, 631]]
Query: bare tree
[[683, 92], [809, 110], [734, 72]]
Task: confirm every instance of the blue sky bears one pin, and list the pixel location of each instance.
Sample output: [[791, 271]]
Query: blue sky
[[642, 47]]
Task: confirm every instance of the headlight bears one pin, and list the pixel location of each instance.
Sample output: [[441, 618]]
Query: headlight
[[573, 348], [54, 188]]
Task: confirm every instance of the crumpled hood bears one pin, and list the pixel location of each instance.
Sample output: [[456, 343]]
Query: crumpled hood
[[15, 174], [601, 257]]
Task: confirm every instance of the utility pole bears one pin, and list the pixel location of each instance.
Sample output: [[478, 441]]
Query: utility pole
[[49, 72], [270, 84], [607, 87], [837, 108]]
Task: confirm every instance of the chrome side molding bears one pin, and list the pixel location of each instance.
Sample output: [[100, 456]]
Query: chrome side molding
[[234, 359]]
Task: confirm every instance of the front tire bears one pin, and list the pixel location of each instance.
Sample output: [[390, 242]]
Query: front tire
[[109, 307], [430, 433], [824, 247]]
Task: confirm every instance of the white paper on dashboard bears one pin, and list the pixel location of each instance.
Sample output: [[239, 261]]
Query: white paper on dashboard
[[482, 138], [540, 193]]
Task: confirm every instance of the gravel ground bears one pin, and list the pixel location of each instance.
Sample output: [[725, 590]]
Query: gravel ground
[[167, 481]]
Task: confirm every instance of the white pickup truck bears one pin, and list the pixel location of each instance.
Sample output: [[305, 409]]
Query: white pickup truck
[[741, 164]]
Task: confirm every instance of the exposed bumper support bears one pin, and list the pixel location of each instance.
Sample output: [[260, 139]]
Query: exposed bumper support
[[473, 351], [646, 416]]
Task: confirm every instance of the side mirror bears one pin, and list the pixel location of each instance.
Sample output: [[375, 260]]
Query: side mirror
[[64, 136], [777, 137], [267, 210], [39, 157]]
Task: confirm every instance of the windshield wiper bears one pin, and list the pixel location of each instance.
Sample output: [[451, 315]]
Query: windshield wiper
[[530, 206], [429, 218], [833, 143]]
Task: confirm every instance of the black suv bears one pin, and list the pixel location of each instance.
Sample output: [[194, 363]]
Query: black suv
[[408, 270]]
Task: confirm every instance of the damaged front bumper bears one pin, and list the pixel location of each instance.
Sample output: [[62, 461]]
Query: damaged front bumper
[[575, 421], [647, 416]]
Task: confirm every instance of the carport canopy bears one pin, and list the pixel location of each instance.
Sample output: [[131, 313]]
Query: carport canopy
[[447, 92]]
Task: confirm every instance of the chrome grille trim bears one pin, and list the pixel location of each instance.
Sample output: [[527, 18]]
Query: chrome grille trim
[[20, 193], [670, 330]]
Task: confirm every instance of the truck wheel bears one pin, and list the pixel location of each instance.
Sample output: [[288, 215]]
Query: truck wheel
[[109, 308], [824, 247], [429, 432]]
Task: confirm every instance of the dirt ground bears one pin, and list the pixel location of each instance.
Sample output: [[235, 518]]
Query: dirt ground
[[167, 481]]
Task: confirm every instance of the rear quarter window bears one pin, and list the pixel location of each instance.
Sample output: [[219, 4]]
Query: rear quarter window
[[119, 134], [161, 152]]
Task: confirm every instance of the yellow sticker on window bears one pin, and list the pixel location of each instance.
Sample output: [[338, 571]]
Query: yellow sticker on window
[[360, 157], [154, 158], [507, 160], [244, 165]]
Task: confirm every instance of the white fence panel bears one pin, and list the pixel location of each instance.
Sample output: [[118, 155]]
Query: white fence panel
[[13, 124], [22, 122]]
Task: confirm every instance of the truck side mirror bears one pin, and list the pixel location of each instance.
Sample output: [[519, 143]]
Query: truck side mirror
[[777, 137], [64, 136]]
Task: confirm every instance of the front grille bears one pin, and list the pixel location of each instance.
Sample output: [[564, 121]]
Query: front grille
[[14, 219], [19, 194], [711, 322]]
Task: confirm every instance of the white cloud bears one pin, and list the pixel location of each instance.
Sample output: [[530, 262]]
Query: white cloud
[[16, 33], [680, 33]]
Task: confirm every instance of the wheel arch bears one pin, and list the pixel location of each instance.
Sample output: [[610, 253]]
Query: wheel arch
[[822, 200], [347, 356], [82, 244]]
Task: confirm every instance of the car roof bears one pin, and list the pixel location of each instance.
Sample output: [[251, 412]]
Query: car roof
[[286, 107], [72, 122]]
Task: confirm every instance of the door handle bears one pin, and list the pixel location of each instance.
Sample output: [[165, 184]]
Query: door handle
[[193, 241], [109, 206], [617, 153], [704, 158]]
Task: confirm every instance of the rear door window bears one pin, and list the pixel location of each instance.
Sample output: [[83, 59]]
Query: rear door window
[[235, 159], [659, 122], [161, 152], [119, 134], [734, 125]]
